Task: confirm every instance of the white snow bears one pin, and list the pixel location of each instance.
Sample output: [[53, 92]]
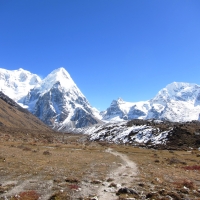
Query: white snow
[[58, 75], [119, 133], [17, 83], [176, 102]]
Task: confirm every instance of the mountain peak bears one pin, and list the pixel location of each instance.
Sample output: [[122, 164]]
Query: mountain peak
[[57, 75], [117, 102], [178, 90], [61, 71], [120, 100], [179, 85]]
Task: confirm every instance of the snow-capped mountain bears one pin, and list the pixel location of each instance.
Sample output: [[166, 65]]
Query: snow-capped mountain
[[56, 99], [120, 110], [58, 102], [176, 102], [17, 83]]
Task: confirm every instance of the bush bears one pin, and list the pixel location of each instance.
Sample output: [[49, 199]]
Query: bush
[[194, 167]]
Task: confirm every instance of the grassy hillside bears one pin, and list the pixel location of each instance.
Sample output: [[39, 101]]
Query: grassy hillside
[[14, 116]]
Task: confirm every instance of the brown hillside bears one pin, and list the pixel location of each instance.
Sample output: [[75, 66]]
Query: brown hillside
[[14, 116]]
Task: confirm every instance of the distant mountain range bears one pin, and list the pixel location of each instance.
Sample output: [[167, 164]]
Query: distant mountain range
[[177, 102], [59, 103]]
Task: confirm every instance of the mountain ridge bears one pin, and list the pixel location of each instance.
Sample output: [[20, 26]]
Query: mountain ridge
[[178, 101], [59, 103], [16, 83]]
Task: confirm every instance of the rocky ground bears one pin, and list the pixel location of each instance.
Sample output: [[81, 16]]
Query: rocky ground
[[37, 166]]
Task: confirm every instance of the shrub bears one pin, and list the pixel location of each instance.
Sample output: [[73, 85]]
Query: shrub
[[194, 167], [46, 153], [74, 187]]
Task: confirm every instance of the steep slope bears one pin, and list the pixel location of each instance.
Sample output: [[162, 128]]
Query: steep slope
[[59, 103], [14, 116], [175, 102], [17, 83]]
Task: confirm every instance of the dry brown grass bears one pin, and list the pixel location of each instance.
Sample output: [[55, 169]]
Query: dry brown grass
[[66, 165], [26, 195], [12, 115], [165, 170], [58, 170]]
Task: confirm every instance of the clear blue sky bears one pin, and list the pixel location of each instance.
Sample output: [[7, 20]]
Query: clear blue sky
[[111, 48]]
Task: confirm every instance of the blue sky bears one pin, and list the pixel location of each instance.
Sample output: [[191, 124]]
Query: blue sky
[[111, 48]]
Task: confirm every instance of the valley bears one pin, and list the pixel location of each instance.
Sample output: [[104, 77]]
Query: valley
[[68, 166], [64, 149]]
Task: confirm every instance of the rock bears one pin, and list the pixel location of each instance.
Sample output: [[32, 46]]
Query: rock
[[184, 191], [124, 174], [152, 195], [174, 196], [94, 198], [96, 182], [92, 195], [110, 190], [158, 180], [141, 184], [113, 185], [71, 180], [105, 184], [126, 190], [46, 153], [110, 179], [162, 192]]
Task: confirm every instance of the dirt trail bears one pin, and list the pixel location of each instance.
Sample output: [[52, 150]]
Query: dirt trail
[[123, 176]]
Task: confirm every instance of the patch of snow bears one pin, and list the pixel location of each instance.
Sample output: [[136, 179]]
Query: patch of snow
[[121, 133]]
